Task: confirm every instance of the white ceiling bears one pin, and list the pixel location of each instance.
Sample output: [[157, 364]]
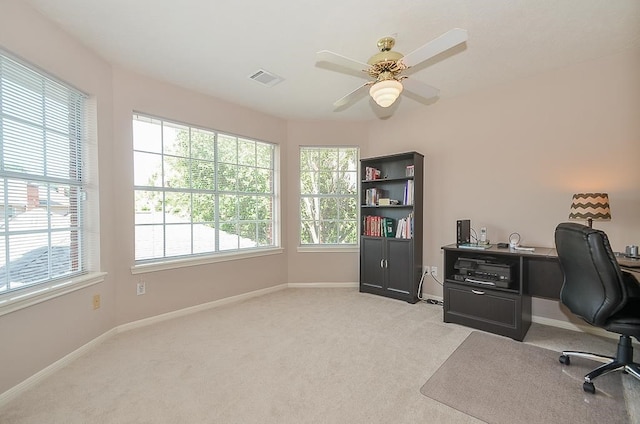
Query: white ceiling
[[213, 46]]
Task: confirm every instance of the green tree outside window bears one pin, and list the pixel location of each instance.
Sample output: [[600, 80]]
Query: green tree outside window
[[328, 195], [216, 189]]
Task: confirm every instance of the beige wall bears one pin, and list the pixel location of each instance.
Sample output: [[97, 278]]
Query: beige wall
[[180, 288], [507, 158], [511, 157], [37, 336], [311, 267]]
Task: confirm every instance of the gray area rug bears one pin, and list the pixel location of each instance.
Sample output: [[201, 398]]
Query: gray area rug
[[499, 380]]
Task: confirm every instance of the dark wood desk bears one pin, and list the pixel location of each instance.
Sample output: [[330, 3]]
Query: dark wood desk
[[506, 311], [627, 263], [631, 266], [538, 271], [543, 276]]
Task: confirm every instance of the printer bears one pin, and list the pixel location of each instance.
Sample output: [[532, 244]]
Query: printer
[[485, 271]]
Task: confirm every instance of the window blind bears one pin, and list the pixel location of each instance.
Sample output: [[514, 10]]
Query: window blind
[[42, 129]]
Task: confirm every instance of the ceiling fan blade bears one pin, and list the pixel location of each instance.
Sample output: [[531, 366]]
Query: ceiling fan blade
[[420, 89], [444, 42], [351, 97], [343, 61]]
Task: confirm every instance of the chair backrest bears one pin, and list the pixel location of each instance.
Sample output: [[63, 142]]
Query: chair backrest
[[593, 288]]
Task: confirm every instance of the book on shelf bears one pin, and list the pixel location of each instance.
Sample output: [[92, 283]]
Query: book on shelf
[[410, 170], [377, 226], [372, 196], [371, 173], [369, 225], [388, 227], [404, 228], [408, 193], [399, 228]]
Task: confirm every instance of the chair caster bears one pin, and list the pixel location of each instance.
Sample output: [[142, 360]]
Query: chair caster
[[588, 387], [564, 359]]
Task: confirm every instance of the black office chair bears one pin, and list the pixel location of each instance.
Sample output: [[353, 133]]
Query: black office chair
[[599, 292]]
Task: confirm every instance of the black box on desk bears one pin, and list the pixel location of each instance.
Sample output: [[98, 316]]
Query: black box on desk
[[463, 231]]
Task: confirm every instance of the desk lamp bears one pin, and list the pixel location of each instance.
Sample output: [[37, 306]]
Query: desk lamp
[[590, 206]]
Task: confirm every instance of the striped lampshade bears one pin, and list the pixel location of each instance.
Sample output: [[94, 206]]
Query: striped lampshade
[[590, 206]]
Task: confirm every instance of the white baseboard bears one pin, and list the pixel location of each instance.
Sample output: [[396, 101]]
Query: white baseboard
[[426, 296], [323, 285], [46, 372], [596, 331], [197, 308]]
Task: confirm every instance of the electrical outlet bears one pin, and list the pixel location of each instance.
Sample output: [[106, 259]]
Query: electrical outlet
[[141, 288], [434, 271], [96, 301], [426, 270]]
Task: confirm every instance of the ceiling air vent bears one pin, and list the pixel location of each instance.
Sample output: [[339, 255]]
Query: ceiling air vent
[[266, 78]]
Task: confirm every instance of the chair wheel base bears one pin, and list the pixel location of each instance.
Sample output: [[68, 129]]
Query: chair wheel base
[[588, 387]]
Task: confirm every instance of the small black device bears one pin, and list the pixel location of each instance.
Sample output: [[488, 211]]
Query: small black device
[[463, 231], [485, 271], [503, 245]]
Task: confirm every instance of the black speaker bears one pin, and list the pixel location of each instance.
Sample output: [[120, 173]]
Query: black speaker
[[463, 231]]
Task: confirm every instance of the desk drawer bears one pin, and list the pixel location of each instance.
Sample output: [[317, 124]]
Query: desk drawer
[[485, 309]]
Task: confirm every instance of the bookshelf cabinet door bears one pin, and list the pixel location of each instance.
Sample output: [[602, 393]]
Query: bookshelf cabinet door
[[371, 262], [400, 265]]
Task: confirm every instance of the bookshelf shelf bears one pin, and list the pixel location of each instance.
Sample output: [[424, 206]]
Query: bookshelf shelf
[[391, 228], [387, 180], [387, 206]]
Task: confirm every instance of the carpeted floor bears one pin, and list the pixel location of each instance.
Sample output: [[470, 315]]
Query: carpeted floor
[[294, 356]]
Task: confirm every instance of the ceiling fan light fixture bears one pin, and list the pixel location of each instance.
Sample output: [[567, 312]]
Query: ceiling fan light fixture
[[385, 92], [386, 67]]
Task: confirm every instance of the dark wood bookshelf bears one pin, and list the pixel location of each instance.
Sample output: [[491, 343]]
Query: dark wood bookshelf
[[391, 263]]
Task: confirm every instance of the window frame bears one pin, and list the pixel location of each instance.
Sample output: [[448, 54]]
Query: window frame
[[328, 247], [81, 132], [165, 261]]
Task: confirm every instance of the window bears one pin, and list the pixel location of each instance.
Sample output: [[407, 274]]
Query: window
[[328, 196], [199, 192], [43, 146]]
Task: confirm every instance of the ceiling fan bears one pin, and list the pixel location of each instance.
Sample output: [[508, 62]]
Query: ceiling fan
[[387, 67]]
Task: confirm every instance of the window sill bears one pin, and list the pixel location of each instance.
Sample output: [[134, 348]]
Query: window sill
[[202, 260], [329, 249], [15, 301]]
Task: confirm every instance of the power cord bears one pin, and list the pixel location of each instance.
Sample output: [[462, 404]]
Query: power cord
[[430, 301], [435, 301], [420, 286]]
